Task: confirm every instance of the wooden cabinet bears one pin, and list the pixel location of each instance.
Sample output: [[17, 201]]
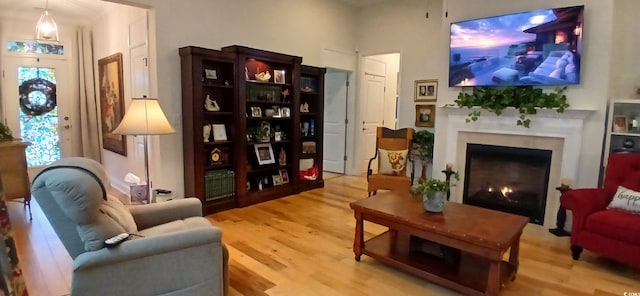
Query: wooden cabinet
[[13, 170], [623, 126], [311, 122], [209, 113], [262, 118]]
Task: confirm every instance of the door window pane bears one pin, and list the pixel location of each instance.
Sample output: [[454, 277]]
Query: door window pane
[[35, 47], [39, 114]]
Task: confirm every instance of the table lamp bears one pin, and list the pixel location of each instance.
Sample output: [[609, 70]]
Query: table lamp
[[144, 118]]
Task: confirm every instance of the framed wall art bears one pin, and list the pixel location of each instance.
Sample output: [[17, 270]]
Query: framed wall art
[[111, 102], [426, 90], [426, 115]]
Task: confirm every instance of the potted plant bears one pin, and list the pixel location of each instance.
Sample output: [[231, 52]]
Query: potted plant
[[423, 148], [5, 133], [433, 192]]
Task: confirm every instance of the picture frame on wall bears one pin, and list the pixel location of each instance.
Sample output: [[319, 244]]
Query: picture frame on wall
[[426, 90], [112, 102], [425, 115], [264, 153]]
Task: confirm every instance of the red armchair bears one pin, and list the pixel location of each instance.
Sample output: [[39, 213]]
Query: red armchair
[[611, 233]]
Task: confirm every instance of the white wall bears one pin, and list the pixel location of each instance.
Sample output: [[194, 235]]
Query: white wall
[[424, 44], [298, 27], [111, 36], [625, 67]]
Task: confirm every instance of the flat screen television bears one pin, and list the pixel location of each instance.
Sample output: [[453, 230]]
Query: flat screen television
[[542, 47]]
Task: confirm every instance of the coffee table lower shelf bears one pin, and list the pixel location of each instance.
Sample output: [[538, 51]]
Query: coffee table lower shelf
[[469, 276]]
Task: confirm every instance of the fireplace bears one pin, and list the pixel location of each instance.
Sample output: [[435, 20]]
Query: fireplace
[[508, 179], [560, 133]]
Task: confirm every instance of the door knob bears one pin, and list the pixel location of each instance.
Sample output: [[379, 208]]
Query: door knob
[[66, 126]]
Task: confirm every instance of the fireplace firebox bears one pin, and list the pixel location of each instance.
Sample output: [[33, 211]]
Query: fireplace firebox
[[508, 179]]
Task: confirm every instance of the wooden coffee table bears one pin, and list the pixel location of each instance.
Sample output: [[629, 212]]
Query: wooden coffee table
[[481, 235]]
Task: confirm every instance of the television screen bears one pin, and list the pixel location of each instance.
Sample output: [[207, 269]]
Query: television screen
[[540, 47]]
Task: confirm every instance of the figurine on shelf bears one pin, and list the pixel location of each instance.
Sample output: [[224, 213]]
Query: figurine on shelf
[[259, 184], [226, 82], [282, 158], [206, 132], [285, 95], [211, 105], [304, 107]]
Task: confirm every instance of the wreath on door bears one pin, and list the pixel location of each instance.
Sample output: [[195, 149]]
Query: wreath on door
[[37, 107]]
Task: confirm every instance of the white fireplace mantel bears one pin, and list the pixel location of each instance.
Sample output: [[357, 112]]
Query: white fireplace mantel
[[547, 123]]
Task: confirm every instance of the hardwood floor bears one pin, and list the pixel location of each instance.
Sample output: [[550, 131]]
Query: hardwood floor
[[302, 245]]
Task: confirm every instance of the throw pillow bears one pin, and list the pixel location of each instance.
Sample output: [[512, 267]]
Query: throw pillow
[[626, 200], [392, 162]]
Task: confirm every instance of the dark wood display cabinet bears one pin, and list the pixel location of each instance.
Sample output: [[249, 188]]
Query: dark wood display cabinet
[[209, 104], [271, 110], [311, 126]]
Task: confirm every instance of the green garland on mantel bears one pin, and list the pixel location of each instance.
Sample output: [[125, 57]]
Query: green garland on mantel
[[526, 99]]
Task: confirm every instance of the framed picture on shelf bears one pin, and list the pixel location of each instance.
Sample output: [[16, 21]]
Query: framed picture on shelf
[[620, 124], [219, 132], [264, 153], [285, 112], [284, 176], [256, 112], [211, 74], [426, 115], [277, 180], [278, 76], [426, 90]]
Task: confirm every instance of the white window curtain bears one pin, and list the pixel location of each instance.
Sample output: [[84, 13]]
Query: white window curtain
[[87, 99]]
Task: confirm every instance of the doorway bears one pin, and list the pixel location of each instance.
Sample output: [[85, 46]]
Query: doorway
[[377, 102], [37, 105], [336, 89]]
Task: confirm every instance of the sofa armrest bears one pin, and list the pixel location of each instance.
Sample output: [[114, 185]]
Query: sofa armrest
[[172, 262], [158, 213], [582, 203]]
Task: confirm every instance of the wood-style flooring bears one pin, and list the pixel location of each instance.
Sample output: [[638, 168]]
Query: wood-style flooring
[[302, 245]]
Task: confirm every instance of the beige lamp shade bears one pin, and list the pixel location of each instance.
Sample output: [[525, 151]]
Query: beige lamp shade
[[144, 117]]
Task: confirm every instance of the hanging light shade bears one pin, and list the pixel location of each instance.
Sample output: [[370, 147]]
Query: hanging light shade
[[47, 29]]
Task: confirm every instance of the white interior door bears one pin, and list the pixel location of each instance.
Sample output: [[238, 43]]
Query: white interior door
[[29, 86], [371, 106], [335, 115]]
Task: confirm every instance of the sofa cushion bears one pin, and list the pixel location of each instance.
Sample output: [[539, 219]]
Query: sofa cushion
[[392, 162], [614, 224], [626, 199], [177, 225], [111, 219]]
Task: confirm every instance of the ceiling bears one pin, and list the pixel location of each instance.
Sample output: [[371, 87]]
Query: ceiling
[[75, 10], [84, 10]]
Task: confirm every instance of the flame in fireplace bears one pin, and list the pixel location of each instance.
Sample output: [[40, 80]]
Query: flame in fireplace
[[506, 191]]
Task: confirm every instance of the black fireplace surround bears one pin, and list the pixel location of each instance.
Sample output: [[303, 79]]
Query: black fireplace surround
[[508, 179]]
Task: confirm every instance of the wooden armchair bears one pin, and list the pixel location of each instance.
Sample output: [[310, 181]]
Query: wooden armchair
[[393, 155]]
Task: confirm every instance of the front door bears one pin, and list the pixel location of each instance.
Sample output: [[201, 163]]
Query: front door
[[36, 95]]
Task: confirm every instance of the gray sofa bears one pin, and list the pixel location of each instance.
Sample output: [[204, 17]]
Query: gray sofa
[[172, 249]]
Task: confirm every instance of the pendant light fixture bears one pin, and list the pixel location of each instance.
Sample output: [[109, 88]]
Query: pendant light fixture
[[46, 29]]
